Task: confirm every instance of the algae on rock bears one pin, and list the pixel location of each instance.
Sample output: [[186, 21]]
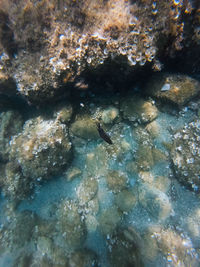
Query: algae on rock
[[185, 155], [42, 149], [175, 88]]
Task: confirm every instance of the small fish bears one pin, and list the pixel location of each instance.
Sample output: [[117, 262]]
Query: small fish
[[103, 134]]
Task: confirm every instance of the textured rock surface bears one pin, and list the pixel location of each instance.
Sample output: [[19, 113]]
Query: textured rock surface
[[155, 201], [136, 109], [71, 224], [62, 39], [186, 155], [176, 247], [125, 249], [84, 257], [84, 127], [42, 149], [7, 130], [177, 89], [116, 181], [87, 190]]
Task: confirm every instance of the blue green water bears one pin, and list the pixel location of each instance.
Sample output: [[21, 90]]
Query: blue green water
[[156, 202]]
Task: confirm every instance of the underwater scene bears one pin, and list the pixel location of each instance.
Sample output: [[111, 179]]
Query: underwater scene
[[99, 133]]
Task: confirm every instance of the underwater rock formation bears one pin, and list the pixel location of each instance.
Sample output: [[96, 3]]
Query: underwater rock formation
[[7, 130], [175, 88], [125, 248], [87, 190], [155, 202], [84, 127], [116, 181], [40, 151], [19, 231], [84, 257], [62, 41], [176, 246], [186, 155], [136, 109], [71, 224]]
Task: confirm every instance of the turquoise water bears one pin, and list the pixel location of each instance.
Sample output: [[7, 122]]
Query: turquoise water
[[126, 193]]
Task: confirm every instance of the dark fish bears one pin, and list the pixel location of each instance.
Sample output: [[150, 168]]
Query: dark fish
[[103, 134]]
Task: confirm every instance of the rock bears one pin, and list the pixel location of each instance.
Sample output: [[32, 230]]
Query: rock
[[91, 223], [19, 231], [71, 224], [161, 183], [24, 259], [125, 248], [126, 200], [136, 109], [185, 155], [63, 114], [116, 181], [87, 190], [144, 158], [72, 173], [70, 42], [193, 224], [176, 247], [97, 161], [45, 246], [109, 115], [16, 186], [83, 258], [153, 129], [108, 220], [175, 88], [85, 128], [155, 202], [7, 130], [42, 149]]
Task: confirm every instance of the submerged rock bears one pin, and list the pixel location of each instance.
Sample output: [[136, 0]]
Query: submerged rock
[[16, 186], [42, 149], [126, 200], [161, 183], [175, 88], [71, 224], [85, 128], [116, 181], [11, 123], [109, 115], [193, 224], [176, 247], [72, 173], [70, 39], [185, 155], [87, 190], [63, 113], [125, 248], [109, 219], [19, 230], [136, 109], [83, 258], [155, 202]]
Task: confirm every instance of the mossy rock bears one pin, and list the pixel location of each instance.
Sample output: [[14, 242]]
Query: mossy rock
[[85, 128], [116, 181], [175, 88], [137, 109]]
